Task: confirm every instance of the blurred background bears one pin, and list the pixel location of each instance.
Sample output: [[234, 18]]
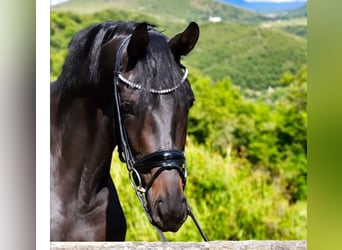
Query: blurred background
[[247, 132]]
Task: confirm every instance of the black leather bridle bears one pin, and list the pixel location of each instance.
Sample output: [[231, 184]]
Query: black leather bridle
[[165, 159]]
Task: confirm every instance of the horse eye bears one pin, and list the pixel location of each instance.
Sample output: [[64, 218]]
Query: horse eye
[[127, 108]]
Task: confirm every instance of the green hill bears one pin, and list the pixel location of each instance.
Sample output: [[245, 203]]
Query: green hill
[[292, 21], [299, 12], [175, 10], [297, 20], [240, 47], [251, 56]]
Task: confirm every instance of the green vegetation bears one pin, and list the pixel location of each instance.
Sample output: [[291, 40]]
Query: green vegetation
[[246, 166], [296, 26], [253, 57], [175, 10], [299, 30], [246, 149]]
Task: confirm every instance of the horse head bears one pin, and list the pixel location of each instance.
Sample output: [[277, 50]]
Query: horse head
[[153, 101]]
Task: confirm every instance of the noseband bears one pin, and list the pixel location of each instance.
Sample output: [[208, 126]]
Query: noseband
[[165, 160], [168, 159]]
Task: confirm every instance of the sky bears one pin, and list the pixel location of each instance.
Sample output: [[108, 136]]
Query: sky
[[266, 5], [55, 2], [275, 1]]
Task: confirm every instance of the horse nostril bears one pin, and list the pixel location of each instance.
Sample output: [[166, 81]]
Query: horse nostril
[[161, 208], [183, 200], [184, 205], [160, 203]]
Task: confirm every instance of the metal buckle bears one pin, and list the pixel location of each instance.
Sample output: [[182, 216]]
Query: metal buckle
[[132, 179]]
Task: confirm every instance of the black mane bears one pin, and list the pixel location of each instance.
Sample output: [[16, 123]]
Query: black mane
[[81, 64]]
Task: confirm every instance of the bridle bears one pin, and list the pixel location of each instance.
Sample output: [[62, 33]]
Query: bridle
[[165, 159]]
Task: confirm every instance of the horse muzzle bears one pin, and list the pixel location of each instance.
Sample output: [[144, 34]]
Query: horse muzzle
[[168, 210], [164, 191]]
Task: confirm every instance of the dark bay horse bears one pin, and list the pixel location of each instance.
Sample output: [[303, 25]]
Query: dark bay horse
[[122, 84]]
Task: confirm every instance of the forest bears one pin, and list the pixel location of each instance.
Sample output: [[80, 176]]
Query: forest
[[247, 146]]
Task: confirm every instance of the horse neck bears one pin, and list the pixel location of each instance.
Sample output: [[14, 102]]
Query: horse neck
[[81, 141]]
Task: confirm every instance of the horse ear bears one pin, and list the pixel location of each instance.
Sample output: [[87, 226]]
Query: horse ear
[[182, 43], [138, 43]]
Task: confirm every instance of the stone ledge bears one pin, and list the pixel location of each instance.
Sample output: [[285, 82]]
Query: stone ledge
[[227, 245]]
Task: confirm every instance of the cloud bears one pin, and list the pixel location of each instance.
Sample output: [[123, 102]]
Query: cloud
[[275, 1], [56, 2]]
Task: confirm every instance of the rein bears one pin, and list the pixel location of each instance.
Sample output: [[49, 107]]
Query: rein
[[165, 159]]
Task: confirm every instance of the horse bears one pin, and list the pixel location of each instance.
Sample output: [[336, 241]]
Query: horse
[[122, 85]]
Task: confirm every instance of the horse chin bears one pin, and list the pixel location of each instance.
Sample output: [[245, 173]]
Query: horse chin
[[169, 226]]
